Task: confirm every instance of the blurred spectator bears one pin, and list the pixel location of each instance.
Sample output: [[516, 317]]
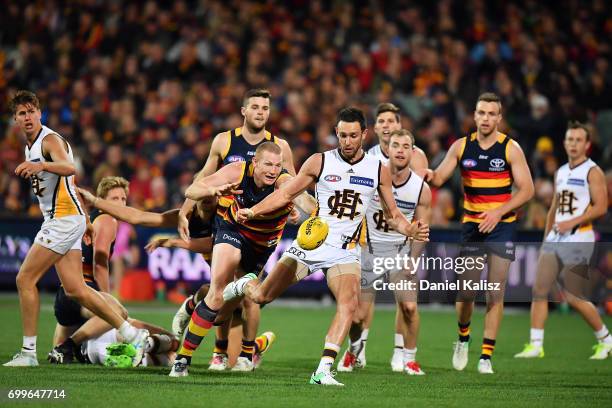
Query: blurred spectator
[[141, 88]]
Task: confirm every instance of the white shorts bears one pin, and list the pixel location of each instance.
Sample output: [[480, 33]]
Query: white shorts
[[323, 257], [373, 259], [571, 249], [62, 234], [96, 348]]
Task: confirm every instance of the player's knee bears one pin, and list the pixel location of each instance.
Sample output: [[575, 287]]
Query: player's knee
[[24, 282], [466, 296], [409, 309], [76, 292], [348, 307]]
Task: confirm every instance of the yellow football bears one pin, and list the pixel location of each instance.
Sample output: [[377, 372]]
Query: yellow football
[[312, 233]]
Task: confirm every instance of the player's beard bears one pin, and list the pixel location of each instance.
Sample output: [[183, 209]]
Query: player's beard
[[253, 128], [491, 130]]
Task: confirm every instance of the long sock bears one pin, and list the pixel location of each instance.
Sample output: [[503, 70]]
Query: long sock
[[221, 346], [536, 337], [248, 348], [200, 323], [190, 305], [464, 331], [409, 355], [398, 341], [364, 339], [261, 344], [29, 344], [355, 346], [330, 352], [488, 345], [603, 335]]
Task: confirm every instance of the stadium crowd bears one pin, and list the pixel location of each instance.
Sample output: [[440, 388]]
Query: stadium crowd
[[141, 88]]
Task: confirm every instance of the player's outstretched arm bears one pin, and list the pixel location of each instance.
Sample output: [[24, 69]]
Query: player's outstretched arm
[[418, 230], [198, 245], [419, 160], [287, 156], [131, 215], [599, 202], [291, 189], [305, 201], [524, 189], [443, 172], [223, 181]]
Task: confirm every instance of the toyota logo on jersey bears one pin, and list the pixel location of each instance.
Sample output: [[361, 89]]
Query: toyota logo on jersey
[[497, 163]]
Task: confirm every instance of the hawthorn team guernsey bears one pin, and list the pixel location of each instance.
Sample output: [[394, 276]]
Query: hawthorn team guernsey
[[56, 194], [573, 195], [487, 178], [344, 192]]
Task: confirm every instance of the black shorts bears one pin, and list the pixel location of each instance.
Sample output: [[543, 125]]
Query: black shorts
[[500, 241], [251, 260], [67, 311]]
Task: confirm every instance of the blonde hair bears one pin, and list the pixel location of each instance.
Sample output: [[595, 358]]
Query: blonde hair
[[111, 182]]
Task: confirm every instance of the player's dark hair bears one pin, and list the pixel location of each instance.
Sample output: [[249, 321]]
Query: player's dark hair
[[352, 115], [574, 124], [403, 132], [256, 92], [490, 97], [388, 107], [23, 97]]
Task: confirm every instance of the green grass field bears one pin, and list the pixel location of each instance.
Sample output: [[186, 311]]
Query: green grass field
[[564, 378]]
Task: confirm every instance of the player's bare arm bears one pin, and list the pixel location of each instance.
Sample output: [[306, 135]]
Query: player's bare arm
[[105, 231], [418, 230], [599, 202], [305, 201], [445, 170], [54, 148], [419, 161], [288, 192], [132, 215], [219, 145], [524, 189], [550, 216], [199, 245], [423, 213], [287, 156], [223, 181]]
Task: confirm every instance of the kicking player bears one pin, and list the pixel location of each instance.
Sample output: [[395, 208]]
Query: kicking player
[[238, 248], [345, 181], [413, 198], [581, 197], [387, 121], [491, 163], [50, 167], [228, 147]]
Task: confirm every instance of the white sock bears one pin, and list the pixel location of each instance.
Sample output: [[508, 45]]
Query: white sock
[[29, 344], [127, 331], [536, 337], [364, 334], [602, 335], [327, 362], [399, 341], [409, 355]]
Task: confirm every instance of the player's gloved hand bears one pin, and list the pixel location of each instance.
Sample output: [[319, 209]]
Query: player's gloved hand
[[419, 231], [183, 227], [244, 214]]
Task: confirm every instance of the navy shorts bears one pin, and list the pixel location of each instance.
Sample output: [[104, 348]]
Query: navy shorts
[[67, 311], [252, 260], [500, 241]]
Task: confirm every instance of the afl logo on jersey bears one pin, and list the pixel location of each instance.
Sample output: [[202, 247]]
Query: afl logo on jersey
[[469, 163], [235, 158], [497, 163], [333, 178]]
